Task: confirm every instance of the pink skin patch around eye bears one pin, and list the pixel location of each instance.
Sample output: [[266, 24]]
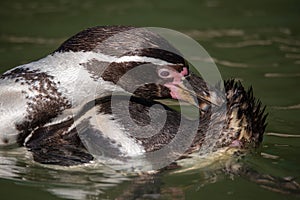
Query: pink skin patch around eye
[[177, 79], [184, 72]]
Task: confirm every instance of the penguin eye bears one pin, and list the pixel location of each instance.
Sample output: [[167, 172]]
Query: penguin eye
[[164, 73]]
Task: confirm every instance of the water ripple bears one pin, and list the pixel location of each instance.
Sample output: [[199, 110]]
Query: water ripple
[[269, 156], [287, 41], [283, 135], [280, 75], [199, 34], [246, 43], [77, 182], [230, 64], [293, 107], [292, 56], [30, 40], [287, 48]]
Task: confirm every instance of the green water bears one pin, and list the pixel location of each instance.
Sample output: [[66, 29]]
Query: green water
[[255, 41]]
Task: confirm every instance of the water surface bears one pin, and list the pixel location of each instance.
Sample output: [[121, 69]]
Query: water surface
[[257, 42]]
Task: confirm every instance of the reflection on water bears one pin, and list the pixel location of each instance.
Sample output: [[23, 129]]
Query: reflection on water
[[94, 181], [90, 181], [68, 182]]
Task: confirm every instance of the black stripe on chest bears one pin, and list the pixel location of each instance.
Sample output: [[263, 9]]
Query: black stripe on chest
[[139, 110]]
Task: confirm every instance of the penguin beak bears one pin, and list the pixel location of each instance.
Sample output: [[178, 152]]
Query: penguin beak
[[181, 92], [178, 90], [192, 97]]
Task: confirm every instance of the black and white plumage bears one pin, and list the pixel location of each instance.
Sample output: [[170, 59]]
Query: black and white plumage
[[54, 88], [61, 145], [67, 95]]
